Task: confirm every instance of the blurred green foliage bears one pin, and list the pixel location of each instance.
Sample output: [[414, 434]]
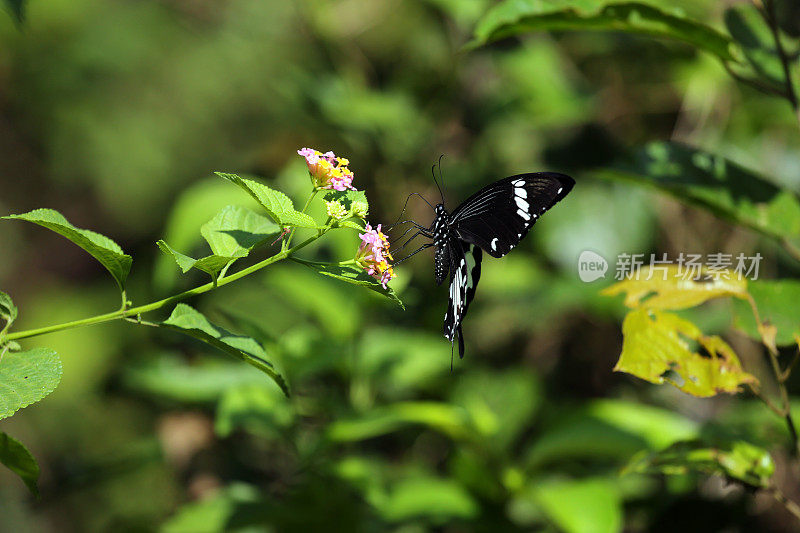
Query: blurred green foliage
[[117, 113]]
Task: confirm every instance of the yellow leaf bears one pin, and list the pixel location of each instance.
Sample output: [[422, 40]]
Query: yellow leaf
[[657, 347], [670, 287]]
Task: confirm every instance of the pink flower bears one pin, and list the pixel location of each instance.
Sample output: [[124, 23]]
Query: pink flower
[[373, 255], [328, 171]]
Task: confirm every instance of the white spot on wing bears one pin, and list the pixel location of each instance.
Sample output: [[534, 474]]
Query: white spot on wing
[[518, 183], [521, 192], [559, 190], [494, 244], [524, 215], [522, 204]]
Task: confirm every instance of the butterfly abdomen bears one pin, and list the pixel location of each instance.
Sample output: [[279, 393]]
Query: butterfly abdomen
[[441, 256]]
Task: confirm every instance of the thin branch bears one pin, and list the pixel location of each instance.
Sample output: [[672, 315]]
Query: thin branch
[[790, 248], [768, 11], [785, 410], [781, 498], [134, 311]]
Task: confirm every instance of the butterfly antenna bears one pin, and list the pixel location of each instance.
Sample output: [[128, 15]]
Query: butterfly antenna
[[405, 205], [433, 171]]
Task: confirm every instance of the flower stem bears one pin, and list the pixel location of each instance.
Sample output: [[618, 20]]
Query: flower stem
[[134, 311], [288, 241], [781, 376]]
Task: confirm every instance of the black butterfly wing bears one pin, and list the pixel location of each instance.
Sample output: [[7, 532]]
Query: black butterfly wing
[[497, 217], [465, 271]]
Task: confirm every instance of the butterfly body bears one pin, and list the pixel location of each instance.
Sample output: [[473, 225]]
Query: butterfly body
[[493, 220]]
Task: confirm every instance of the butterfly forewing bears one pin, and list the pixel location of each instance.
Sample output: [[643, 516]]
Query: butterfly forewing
[[497, 217]]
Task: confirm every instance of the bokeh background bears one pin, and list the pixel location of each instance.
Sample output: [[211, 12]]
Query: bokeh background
[[117, 113]]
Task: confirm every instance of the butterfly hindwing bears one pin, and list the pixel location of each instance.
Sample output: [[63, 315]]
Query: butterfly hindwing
[[465, 271], [497, 217]]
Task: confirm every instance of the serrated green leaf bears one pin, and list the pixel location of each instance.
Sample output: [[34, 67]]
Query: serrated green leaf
[[656, 347], [99, 246], [26, 378], [350, 223], [776, 301], [211, 264], [713, 183], [736, 460], [351, 274], [236, 230], [346, 198], [670, 288], [8, 311], [277, 204], [191, 322], [513, 17], [16, 457]]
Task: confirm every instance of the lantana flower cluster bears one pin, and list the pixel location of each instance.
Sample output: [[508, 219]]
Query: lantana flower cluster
[[373, 255], [328, 171]]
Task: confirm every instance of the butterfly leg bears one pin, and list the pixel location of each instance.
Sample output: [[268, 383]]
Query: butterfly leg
[[406, 232], [415, 252]]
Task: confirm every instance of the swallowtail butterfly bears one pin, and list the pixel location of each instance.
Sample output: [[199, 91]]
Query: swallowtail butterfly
[[493, 220]]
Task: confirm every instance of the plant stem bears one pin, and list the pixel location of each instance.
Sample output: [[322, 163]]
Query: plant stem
[[779, 496], [768, 11], [134, 311], [288, 241], [780, 379]]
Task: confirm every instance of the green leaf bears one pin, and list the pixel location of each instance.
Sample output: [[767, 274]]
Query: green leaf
[[99, 246], [26, 378], [669, 288], [351, 274], [615, 429], [427, 496], [277, 204], [737, 460], [213, 514], [191, 322], [255, 408], [776, 302], [501, 404], [193, 207], [513, 17], [16, 456], [206, 381], [580, 506], [17, 8], [346, 198], [751, 32], [8, 311], [713, 183], [235, 230], [445, 418], [657, 347], [211, 264]]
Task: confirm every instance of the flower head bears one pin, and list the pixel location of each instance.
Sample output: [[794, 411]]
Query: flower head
[[373, 255], [336, 209], [360, 209], [328, 171]]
